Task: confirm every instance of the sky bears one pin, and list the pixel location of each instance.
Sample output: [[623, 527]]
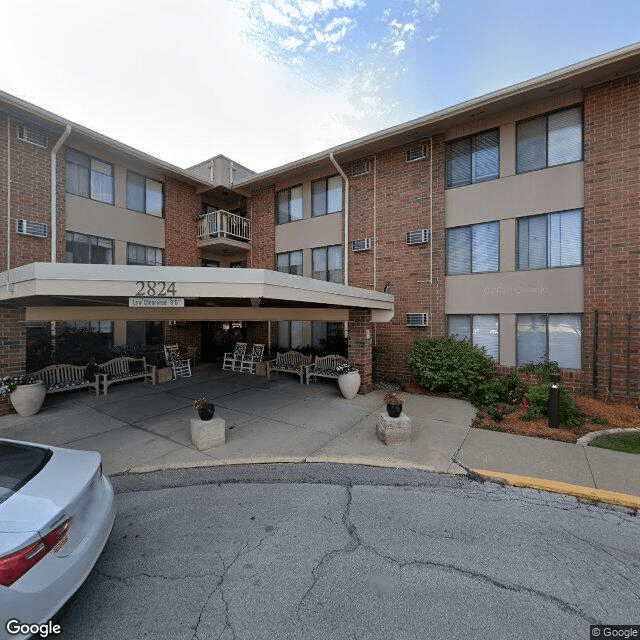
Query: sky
[[268, 82]]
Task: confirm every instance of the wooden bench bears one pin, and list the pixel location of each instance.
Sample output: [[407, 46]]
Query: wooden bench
[[125, 368], [325, 367], [66, 377], [289, 362]]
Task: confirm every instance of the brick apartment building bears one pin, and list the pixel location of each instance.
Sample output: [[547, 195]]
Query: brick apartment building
[[510, 220]]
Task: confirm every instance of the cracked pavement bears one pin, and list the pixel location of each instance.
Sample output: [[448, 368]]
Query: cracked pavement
[[333, 551]]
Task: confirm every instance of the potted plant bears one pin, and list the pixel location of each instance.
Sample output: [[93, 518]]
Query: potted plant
[[348, 381], [26, 393], [204, 408], [394, 403]]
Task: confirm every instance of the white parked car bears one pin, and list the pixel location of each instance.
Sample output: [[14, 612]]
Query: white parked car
[[56, 513]]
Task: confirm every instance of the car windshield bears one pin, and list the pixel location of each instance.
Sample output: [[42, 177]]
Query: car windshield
[[18, 464]]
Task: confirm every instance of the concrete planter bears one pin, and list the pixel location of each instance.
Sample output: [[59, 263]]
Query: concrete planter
[[28, 398], [349, 384]]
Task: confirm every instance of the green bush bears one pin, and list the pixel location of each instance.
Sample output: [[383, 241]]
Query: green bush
[[538, 396], [456, 367]]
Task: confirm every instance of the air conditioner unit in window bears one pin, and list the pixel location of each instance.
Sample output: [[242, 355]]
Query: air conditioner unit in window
[[31, 228], [418, 236], [363, 244], [417, 319], [30, 134], [417, 153], [360, 169]]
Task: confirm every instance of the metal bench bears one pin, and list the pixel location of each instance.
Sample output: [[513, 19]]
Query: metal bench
[[325, 367], [289, 362]]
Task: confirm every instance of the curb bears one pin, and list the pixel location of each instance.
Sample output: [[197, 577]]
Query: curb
[[606, 433], [577, 491]]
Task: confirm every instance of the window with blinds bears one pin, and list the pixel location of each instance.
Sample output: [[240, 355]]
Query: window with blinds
[[555, 337], [473, 249], [549, 140], [473, 159], [480, 330], [290, 262], [550, 240], [289, 203]]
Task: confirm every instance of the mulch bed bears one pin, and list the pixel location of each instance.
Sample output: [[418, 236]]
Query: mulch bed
[[618, 414]]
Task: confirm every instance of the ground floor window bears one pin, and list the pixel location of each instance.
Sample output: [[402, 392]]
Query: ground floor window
[[139, 333], [297, 334], [554, 337], [479, 330]]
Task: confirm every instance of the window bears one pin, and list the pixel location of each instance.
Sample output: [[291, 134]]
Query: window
[[210, 263], [289, 262], [289, 204], [550, 338], [91, 326], [474, 249], [89, 177], [550, 240], [87, 249], [142, 255], [324, 332], [473, 159], [291, 334], [326, 196], [144, 195], [327, 263], [549, 140], [480, 331]]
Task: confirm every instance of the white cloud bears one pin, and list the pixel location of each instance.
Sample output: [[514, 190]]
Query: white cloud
[[398, 47], [291, 43]]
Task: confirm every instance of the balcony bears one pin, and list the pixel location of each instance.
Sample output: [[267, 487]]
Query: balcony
[[224, 230]]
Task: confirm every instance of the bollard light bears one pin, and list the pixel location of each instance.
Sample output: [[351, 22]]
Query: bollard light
[[554, 401]]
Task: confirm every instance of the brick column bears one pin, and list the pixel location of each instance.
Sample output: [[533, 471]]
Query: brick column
[[13, 348], [360, 333]]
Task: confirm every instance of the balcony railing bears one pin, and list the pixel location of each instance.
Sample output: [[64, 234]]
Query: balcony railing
[[222, 224]]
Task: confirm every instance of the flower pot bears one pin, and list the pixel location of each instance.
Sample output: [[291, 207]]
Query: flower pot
[[349, 384], [28, 398], [206, 413], [394, 410]]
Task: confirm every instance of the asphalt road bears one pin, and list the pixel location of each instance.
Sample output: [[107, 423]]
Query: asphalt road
[[331, 552]]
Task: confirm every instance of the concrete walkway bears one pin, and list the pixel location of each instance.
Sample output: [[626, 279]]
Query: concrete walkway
[[140, 427]]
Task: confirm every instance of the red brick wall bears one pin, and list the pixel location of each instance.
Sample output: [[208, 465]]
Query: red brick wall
[[612, 206], [402, 203], [13, 344], [30, 196], [261, 210], [182, 203]]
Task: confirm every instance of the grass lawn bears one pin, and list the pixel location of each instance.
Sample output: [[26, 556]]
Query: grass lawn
[[627, 442]]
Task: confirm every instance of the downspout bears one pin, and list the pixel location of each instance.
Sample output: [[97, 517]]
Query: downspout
[[54, 193], [346, 217], [8, 193]]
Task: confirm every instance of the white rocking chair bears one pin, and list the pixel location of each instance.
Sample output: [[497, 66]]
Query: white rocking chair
[[232, 361], [250, 362], [179, 365]]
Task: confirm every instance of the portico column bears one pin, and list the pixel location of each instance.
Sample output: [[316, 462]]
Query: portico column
[[13, 347], [360, 355]]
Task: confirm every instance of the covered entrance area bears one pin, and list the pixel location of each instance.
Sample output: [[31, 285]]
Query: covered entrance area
[[189, 300]]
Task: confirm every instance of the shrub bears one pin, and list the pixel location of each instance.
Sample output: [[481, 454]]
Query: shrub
[[538, 396], [456, 367]]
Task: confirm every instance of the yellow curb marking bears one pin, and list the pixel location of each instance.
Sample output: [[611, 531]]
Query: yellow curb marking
[[597, 495]]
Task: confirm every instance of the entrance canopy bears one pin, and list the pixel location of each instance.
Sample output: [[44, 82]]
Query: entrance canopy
[[67, 292]]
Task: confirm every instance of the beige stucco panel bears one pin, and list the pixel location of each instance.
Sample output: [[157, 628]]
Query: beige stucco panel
[[99, 219], [526, 194], [322, 231], [536, 291]]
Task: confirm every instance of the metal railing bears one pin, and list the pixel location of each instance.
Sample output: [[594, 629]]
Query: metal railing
[[223, 224]]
